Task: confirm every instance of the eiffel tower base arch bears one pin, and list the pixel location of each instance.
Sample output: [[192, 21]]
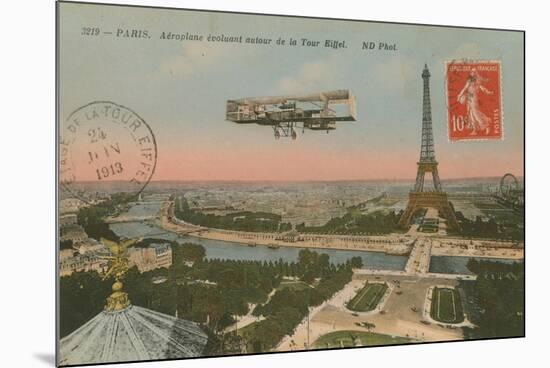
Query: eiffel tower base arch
[[437, 200]]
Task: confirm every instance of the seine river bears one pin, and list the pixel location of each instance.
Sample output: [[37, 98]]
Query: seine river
[[457, 265], [218, 249]]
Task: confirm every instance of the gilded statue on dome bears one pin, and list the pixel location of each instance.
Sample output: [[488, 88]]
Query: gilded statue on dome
[[118, 266]]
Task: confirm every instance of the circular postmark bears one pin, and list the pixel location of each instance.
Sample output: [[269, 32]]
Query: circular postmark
[[105, 143]]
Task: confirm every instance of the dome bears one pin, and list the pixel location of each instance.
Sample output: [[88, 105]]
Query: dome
[[131, 334]]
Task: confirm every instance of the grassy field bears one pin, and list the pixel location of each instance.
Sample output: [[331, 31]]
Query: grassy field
[[340, 339], [367, 298], [293, 285], [446, 306], [500, 213], [429, 228]]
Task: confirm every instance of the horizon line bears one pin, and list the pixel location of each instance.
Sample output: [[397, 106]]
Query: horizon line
[[295, 180]]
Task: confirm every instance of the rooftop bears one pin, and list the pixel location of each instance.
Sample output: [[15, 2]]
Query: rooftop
[[133, 333]]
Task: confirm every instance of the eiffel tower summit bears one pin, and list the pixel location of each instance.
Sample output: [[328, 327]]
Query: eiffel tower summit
[[420, 197]]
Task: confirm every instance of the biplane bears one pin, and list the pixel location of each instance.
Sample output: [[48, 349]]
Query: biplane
[[285, 114]]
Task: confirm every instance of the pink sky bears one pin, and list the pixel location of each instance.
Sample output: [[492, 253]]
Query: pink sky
[[284, 165]]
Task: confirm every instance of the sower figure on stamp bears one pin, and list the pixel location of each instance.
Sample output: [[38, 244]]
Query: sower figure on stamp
[[475, 118]]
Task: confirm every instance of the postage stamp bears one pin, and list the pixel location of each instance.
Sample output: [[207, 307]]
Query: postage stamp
[[474, 100], [103, 142]]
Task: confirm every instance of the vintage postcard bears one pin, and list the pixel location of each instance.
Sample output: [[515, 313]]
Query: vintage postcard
[[236, 184]]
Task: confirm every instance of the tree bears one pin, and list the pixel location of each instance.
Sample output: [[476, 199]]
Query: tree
[[65, 244], [324, 264], [369, 326], [82, 297], [356, 262], [191, 252], [309, 276]]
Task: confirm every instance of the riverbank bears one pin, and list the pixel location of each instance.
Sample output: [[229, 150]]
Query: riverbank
[[477, 249], [389, 244]]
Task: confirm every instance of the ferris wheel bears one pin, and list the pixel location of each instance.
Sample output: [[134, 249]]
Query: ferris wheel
[[508, 185]]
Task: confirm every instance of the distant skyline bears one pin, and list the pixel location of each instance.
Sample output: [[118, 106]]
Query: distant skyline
[[180, 89], [245, 181]]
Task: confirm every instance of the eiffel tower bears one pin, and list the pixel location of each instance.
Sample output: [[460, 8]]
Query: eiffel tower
[[419, 197]]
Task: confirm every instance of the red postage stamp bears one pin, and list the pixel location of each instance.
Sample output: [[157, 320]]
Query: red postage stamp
[[474, 100]]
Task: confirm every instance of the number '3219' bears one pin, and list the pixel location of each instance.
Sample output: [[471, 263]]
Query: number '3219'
[[90, 31]]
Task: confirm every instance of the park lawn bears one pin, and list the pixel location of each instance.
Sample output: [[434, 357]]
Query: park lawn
[[339, 339], [446, 306], [355, 213], [367, 298], [293, 285], [429, 228], [484, 205]]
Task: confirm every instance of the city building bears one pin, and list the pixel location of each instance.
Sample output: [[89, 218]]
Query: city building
[[70, 205], [73, 232], [67, 219], [82, 262], [65, 254], [156, 255], [91, 245]]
